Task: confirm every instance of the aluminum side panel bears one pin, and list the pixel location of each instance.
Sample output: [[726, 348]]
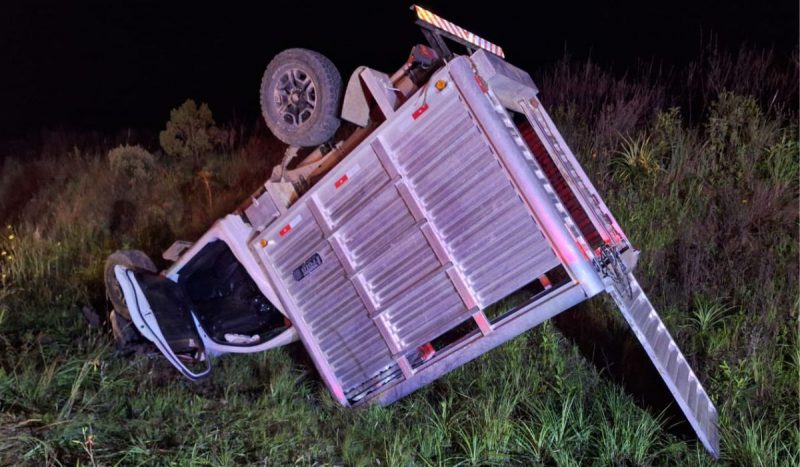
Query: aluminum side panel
[[328, 307], [421, 227], [522, 321], [528, 177], [462, 190]]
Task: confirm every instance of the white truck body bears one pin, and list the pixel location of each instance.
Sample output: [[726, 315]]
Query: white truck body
[[387, 267]]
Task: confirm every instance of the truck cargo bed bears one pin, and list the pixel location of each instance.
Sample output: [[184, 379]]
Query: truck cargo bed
[[420, 229]]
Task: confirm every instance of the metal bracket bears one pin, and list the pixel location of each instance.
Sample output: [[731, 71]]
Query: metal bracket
[[435, 39], [611, 265], [382, 90], [355, 106]]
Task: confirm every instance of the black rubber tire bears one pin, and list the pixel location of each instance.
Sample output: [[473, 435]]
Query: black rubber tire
[[323, 122], [119, 317]]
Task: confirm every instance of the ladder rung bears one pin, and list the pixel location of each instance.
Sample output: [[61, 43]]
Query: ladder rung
[[662, 342], [652, 326], [693, 396], [683, 371]]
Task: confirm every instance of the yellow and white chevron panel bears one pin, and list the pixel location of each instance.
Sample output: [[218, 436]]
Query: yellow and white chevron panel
[[457, 31]]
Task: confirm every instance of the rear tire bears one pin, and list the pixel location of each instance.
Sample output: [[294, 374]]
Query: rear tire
[[119, 316], [300, 97]]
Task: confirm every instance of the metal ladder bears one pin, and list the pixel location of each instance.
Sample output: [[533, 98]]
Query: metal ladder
[[625, 290], [668, 359]]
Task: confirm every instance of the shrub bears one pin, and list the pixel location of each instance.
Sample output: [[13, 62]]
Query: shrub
[[133, 162], [190, 131]]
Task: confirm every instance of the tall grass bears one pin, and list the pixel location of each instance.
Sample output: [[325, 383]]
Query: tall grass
[[700, 165]]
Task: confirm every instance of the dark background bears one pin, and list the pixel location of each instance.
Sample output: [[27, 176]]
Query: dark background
[[109, 66]]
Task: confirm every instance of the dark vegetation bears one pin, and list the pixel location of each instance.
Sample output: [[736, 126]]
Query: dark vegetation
[[699, 164]]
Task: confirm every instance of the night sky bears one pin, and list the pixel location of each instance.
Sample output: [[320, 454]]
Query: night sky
[[106, 66]]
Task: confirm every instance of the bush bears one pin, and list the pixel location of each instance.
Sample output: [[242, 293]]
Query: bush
[[134, 162], [190, 131]]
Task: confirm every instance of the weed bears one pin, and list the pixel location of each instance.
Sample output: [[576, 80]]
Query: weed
[[636, 160], [754, 441], [707, 316], [558, 432], [88, 445], [629, 435], [782, 163]]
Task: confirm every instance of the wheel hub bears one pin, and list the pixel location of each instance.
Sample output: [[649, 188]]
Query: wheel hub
[[295, 96]]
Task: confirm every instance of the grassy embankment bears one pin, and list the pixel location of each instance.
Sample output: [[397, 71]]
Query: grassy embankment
[[699, 165]]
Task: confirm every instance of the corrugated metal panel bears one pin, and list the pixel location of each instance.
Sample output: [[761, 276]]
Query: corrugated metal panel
[[469, 199], [421, 314], [329, 303], [406, 262], [417, 229], [386, 247], [395, 262], [364, 177], [372, 230]]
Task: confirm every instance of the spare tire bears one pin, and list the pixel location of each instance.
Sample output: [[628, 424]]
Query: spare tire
[[300, 97]]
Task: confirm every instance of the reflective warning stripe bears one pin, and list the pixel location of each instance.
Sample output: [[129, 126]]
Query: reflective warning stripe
[[457, 31]]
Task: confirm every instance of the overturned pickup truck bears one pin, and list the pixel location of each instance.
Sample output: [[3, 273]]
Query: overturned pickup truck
[[385, 252]]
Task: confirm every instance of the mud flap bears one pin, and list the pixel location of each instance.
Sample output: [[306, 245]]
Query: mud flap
[[667, 358], [163, 315]]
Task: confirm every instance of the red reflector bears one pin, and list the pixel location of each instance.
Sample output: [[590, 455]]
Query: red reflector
[[341, 181], [545, 281], [285, 230], [426, 351], [481, 84], [419, 111]]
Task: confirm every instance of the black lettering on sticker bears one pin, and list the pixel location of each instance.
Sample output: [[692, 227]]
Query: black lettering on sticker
[[308, 265]]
